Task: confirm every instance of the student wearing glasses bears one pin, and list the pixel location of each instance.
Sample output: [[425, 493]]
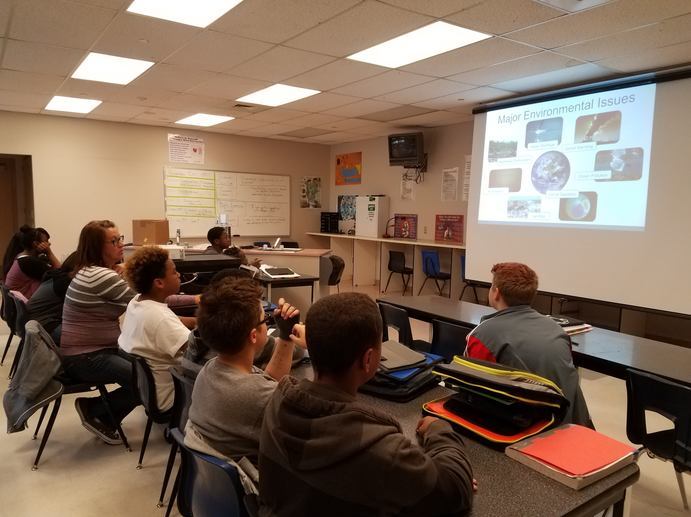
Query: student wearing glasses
[[230, 393]]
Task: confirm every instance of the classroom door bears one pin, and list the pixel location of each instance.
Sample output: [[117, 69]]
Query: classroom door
[[16, 196]]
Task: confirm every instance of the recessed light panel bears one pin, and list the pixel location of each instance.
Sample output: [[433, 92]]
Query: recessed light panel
[[277, 95], [428, 41], [203, 119], [72, 104], [110, 69], [198, 13]]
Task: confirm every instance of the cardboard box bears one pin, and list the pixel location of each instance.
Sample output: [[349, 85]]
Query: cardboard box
[[150, 231]]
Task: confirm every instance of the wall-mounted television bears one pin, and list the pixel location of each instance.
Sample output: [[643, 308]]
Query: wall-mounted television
[[406, 149]]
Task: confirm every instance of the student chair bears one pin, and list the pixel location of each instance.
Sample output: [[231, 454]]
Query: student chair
[[397, 265], [448, 339], [9, 316], [467, 283], [21, 317], [337, 267], [647, 392], [397, 318], [431, 269], [211, 485]]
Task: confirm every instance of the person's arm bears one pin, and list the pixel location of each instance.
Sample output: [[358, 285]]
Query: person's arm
[[282, 358], [190, 322], [44, 247], [476, 349]]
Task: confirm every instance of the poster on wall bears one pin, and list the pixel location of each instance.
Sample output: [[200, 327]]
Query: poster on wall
[[448, 228], [407, 189], [185, 149], [346, 214], [449, 184], [405, 226], [349, 169], [311, 192]]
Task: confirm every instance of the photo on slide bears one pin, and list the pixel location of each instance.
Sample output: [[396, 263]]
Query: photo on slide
[[601, 128], [624, 164], [523, 207], [550, 172], [506, 178], [502, 149], [580, 208], [546, 131]]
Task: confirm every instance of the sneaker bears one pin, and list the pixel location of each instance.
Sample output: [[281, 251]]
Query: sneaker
[[94, 424]]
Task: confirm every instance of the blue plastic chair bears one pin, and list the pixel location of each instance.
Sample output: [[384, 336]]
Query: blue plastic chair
[[431, 269], [210, 485], [467, 283]]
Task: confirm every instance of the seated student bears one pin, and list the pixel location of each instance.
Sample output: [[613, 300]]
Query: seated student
[[219, 241], [322, 452], [27, 258], [45, 306], [519, 336], [230, 393], [150, 329]]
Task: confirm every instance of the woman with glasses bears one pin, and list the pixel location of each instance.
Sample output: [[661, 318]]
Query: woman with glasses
[[27, 258]]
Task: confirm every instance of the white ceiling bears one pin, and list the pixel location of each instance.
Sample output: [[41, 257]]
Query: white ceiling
[[304, 43]]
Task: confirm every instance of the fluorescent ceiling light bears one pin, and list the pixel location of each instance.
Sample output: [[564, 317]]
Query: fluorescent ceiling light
[[278, 94], [72, 104], [199, 13], [110, 69], [428, 41], [203, 119]]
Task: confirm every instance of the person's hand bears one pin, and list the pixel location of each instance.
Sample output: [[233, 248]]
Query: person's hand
[[286, 317], [256, 262], [423, 425], [43, 247], [298, 335], [474, 485]]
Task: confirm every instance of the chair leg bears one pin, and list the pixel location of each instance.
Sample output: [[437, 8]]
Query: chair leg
[[169, 469], [17, 356], [423, 285], [174, 492], [680, 482], [477, 300], [388, 280], [147, 431], [7, 347], [104, 397], [405, 280], [40, 421], [46, 434]]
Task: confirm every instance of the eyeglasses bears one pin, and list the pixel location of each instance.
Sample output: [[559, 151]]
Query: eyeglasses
[[266, 319], [117, 240]]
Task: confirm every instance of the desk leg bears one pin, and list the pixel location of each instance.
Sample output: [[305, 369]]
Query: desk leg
[[312, 297], [268, 292]]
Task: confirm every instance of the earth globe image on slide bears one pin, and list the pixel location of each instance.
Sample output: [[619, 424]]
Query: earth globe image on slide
[[577, 208], [551, 171]]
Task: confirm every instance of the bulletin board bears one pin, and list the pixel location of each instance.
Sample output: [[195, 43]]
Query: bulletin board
[[253, 204]]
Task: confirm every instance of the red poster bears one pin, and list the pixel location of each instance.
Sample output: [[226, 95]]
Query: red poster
[[405, 226], [448, 228]]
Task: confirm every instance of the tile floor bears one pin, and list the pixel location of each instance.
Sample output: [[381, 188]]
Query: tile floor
[[79, 476]]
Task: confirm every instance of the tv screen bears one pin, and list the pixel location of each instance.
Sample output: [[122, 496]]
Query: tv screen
[[405, 148]]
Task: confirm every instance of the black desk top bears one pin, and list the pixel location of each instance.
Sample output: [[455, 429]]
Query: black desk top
[[600, 350], [505, 486], [205, 263], [296, 281]]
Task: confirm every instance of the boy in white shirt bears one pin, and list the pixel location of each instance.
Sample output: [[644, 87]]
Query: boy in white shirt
[[150, 329]]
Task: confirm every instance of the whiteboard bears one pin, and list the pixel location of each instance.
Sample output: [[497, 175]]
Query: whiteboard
[[253, 204]]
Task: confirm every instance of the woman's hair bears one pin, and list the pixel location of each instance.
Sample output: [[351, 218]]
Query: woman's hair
[[23, 240], [91, 242]]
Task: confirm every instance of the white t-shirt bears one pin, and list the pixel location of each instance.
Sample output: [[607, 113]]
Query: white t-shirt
[[151, 330]]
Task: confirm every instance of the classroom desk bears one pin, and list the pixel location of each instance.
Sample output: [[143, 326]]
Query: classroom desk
[[205, 263], [299, 281], [600, 350], [507, 488]]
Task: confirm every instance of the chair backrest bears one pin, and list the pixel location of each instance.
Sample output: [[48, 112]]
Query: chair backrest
[[21, 315], [396, 261], [183, 397], [430, 262], [670, 399], [337, 267], [290, 244], [211, 485], [397, 318], [9, 309], [146, 385], [463, 268], [448, 339]]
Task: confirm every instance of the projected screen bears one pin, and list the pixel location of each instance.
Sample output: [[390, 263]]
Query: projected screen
[[579, 161]]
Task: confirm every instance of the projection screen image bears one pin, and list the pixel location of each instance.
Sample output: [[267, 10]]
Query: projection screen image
[[579, 161]]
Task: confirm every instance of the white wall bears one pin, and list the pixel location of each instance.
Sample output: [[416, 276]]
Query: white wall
[[87, 169]]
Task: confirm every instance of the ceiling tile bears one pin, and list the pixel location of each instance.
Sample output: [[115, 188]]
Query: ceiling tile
[[383, 83], [335, 137], [483, 53], [59, 22], [173, 78], [4, 16], [362, 107], [161, 115], [465, 98], [436, 88], [142, 96], [650, 59], [112, 4], [544, 61], [143, 37], [24, 99], [348, 124], [18, 109], [335, 74], [243, 124], [272, 21], [322, 102], [89, 89], [315, 119], [557, 78], [115, 111], [228, 86], [598, 22], [200, 104], [433, 119], [40, 58], [668, 32], [396, 113], [306, 132], [273, 129], [217, 52], [500, 16], [435, 8], [29, 82], [280, 63], [363, 26], [276, 115]]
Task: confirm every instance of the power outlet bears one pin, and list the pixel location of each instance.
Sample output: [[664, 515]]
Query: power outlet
[[424, 230]]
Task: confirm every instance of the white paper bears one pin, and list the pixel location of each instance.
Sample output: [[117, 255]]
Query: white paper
[[185, 149], [449, 184], [407, 189]]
